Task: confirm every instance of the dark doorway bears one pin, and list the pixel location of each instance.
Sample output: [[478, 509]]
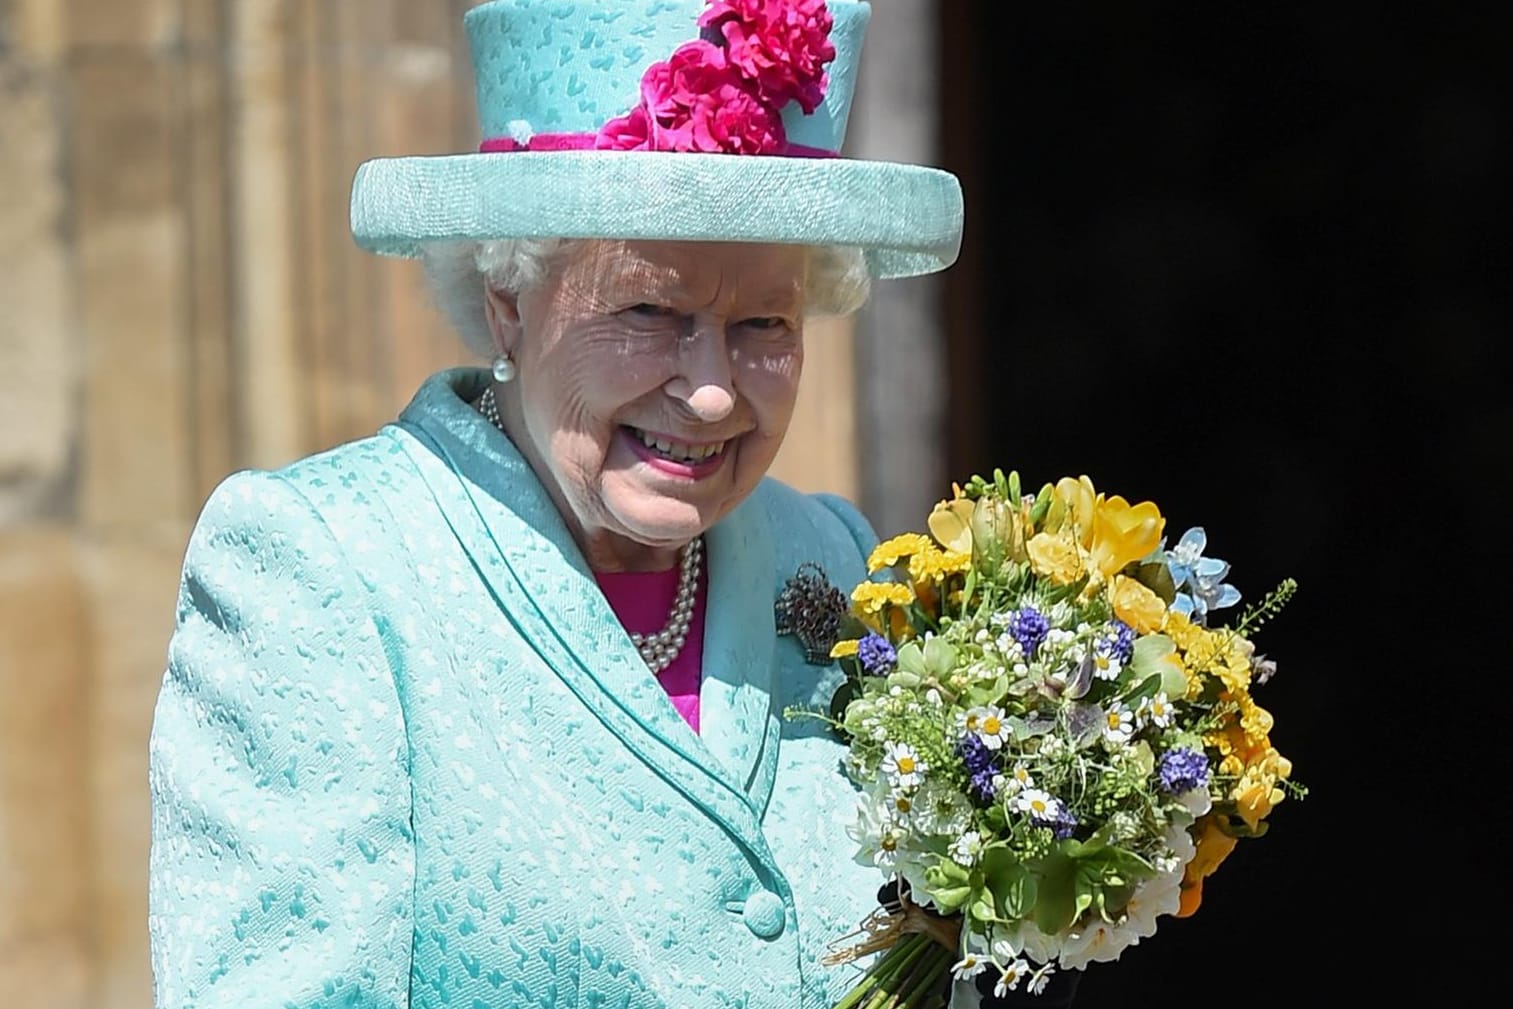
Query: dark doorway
[[1247, 260]]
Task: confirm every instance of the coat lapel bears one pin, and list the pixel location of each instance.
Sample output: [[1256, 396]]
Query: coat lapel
[[521, 548], [737, 712]]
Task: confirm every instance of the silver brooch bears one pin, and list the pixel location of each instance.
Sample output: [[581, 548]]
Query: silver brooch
[[811, 609]]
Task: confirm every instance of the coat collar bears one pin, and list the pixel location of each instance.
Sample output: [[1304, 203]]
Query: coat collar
[[506, 521]]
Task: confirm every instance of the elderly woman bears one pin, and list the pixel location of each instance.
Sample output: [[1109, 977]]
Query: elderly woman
[[488, 709]]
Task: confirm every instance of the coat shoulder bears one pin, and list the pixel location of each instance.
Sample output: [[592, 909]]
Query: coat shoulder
[[347, 488], [824, 528]]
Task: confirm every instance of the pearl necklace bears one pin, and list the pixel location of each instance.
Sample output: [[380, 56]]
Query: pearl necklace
[[660, 649], [657, 650]]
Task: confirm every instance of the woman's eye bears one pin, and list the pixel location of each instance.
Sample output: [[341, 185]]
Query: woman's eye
[[766, 322], [650, 310]]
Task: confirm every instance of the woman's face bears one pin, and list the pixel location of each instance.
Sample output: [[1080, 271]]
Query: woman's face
[[655, 383]]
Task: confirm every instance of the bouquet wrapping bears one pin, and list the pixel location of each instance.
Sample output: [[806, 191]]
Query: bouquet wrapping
[[1054, 738]]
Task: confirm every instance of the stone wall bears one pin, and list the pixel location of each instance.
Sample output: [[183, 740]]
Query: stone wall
[[179, 298]]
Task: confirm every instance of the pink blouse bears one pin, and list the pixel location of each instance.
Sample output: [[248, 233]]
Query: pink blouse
[[642, 600]]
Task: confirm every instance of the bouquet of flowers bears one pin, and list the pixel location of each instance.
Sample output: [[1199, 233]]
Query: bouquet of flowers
[[1054, 740]]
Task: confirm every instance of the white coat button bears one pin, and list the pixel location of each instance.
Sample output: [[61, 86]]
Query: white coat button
[[764, 914]]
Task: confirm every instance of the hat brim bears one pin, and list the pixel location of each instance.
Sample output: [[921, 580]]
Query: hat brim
[[906, 218]]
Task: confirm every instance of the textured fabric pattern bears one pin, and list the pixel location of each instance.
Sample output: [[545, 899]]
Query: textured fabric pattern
[[405, 755], [549, 66]]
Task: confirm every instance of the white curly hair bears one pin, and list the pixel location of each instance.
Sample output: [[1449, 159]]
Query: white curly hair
[[838, 282]]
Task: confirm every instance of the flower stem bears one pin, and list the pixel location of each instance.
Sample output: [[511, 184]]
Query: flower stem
[[887, 993], [878, 986], [926, 975]]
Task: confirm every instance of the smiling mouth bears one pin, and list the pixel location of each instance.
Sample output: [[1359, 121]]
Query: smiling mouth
[[686, 453]]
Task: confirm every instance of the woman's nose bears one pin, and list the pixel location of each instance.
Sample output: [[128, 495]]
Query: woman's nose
[[705, 382]]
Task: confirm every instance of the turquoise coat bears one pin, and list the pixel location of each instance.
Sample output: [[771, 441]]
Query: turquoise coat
[[404, 754]]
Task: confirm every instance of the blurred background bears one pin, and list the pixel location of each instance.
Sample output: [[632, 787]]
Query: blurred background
[[1241, 259]]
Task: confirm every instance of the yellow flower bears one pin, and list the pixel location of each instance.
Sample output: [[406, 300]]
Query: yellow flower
[[1180, 628], [890, 552], [1257, 790], [1074, 503], [1255, 721], [1123, 533], [1220, 653], [950, 523], [871, 597], [1137, 605], [841, 649], [1056, 556], [931, 566]]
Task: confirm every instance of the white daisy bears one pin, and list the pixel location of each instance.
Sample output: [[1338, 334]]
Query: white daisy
[[1012, 974], [1119, 723], [1156, 711], [1039, 804], [1041, 978], [900, 806], [902, 765], [1106, 664], [1017, 780], [989, 724], [968, 967], [966, 849]]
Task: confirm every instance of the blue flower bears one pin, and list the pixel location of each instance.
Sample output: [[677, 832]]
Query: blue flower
[[1182, 770], [974, 753], [1199, 580], [1028, 627], [1061, 824], [1120, 642], [981, 785], [876, 655]]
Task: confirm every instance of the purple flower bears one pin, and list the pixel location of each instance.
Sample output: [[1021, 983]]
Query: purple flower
[[981, 767], [975, 753], [1121, 641], [876, 655], [1183, 769], [981, 785], [1061, 825], [1028, 627]]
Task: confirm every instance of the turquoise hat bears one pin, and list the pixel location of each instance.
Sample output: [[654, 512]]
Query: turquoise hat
[[703, 120]]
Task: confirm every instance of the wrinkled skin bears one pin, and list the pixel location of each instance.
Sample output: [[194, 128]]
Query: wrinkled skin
[[699, 343]]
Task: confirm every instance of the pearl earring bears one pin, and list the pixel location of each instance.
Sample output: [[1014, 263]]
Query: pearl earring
[[504, 368]]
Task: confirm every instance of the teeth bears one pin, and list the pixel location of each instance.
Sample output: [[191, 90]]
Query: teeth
[[678, 450]]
